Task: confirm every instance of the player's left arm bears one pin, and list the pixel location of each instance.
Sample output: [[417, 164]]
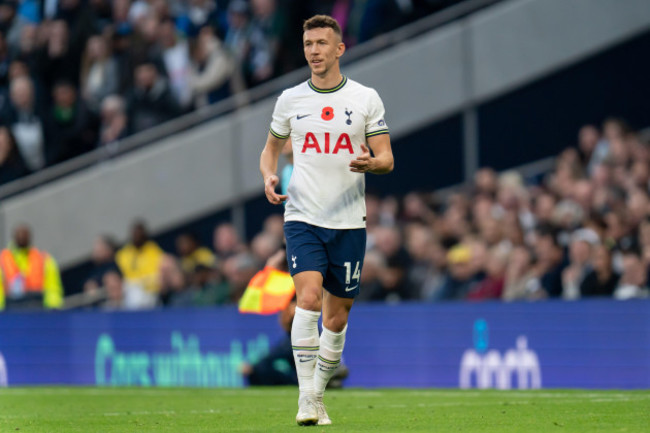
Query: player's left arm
[[381, 163]]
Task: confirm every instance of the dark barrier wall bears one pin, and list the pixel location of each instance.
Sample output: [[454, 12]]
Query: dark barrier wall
[[588, 344]]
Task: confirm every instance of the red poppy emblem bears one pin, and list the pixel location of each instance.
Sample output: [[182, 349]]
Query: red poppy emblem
[[327, 114]]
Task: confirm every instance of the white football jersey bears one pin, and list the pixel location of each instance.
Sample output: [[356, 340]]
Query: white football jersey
[[327, 129]]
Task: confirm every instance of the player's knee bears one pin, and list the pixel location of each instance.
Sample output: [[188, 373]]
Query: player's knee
[[335, 323], [309, 300]]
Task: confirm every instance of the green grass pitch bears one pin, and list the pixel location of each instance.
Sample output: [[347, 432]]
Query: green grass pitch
[[70, 410]]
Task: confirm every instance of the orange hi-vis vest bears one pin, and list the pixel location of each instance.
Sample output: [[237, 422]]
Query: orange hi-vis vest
[[268, 292], [35, 275]]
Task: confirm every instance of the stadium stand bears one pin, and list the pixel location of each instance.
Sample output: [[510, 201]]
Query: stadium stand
[[578, 229]]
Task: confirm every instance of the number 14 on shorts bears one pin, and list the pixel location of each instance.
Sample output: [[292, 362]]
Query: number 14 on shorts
[[356, 275]]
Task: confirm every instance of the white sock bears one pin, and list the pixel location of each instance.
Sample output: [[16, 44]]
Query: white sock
[[304, 342], [329, 358]]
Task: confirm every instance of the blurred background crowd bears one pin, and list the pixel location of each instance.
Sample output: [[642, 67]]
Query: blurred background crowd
[[581, 230], [76, 75]]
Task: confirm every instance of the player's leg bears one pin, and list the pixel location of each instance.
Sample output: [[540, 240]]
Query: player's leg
[[304, 329], [346, 252], [332, 340], [306, 257]]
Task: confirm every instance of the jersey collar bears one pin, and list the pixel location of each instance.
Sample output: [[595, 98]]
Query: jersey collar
[[332, 90]]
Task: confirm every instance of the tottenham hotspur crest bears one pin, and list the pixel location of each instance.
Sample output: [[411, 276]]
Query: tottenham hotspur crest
[[348, 113], [293, 259]]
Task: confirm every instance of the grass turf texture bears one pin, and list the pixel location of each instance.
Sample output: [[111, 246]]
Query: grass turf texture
[[122, 410]]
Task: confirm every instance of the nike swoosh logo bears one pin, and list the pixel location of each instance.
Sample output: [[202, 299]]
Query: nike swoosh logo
[[306, 360], [298, 117], [349, 289]]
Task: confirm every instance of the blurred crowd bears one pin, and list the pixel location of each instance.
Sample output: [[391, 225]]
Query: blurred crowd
[[76, 75], [581, 230]]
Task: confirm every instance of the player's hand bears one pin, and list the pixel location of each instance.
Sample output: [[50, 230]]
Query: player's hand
[[269, 189], [363, 163]]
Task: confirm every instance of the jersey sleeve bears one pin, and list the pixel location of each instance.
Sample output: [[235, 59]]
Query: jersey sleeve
[[375, 123], [280, 125]]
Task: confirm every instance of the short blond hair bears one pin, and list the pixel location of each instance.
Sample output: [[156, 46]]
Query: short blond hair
[[322, 21]]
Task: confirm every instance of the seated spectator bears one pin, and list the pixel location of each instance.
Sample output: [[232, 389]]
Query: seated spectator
[[461, 276], [114, 286], [140, 261], [26, 122], [394, 282], [191, 254], [103, 257], [30, 275], [580, 254], [238, 270], [374, 264], [213, 75], [634, 280], [113, 122], [521, 282], [12, 166], [150, 102], [174, 288], [491, 287], [264, 245], [601, 280], [99, 73], [226, 241], [71, 129], [549, 263]]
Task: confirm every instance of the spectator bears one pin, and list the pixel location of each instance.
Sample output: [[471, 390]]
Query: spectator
[[213, 73], [57, 56], [140, 261], [549, 263], [71, 129], [103, 257], [521, 282], [31, 275], [491, 287], [264, 245], [99, 73], [461, 275], [12, 165], [394, 282], [113, 122], [175, 53], [226, 241], [150, 101], [634, 280], [601, 280], [246, 41], [192, 255], [580, 253], [26, 123], [11, 23], [238, 270]]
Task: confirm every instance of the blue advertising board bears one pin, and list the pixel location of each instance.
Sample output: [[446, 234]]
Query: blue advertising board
[[586, 344]]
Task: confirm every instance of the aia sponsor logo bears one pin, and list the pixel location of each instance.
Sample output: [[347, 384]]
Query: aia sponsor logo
[[343, 143]]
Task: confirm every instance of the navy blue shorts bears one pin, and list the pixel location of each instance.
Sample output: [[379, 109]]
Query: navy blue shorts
[[336, 254]]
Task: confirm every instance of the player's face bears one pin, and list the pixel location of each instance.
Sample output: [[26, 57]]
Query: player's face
[[322, 48]]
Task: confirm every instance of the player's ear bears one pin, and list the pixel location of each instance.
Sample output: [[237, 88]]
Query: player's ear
[[340, 49]]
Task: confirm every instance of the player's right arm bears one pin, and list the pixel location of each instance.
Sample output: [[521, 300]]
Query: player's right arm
[[269, 168]]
